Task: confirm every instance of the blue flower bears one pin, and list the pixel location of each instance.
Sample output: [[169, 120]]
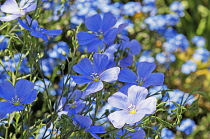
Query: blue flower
[[3, 42], [94, 73], [134, 106], [199, 41], [37, 31], [188, 67], [102, 32], [201, 54], [178, 8], [60, 51], [144, 77], [146, 56], [131, 8], [11, 6], [187, 126], [167, 134], [23, 93]]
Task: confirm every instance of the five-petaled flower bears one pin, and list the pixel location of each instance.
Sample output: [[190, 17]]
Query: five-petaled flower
[[37, 31], [11, 6], [134, 106], [144, 77], [23, 93], [95, 73], [102, 32]]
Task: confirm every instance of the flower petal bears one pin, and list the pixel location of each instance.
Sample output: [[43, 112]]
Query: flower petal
[[81, 79], [93, 23], [133, 118], [94, 87], [30, 8], [24, 25], [100, 62], [154, 79], [124, 88], [7, 90], [39, 35], [86, 38], [53, 32], [144, 69], [9, 17], [108, 22], [96, 46], [83, 121], [134, 46], [110, 36], [23, 88], [7, 107], [136, 94], [10, 6], [128, 76], [126, 61], [118, 100], [110, 75], [147, 106], [84, 67], [30, 97], [118, 118], [96, 129]]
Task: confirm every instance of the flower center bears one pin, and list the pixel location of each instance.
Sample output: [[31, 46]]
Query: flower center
[[22, 11], [16, 101], [95, 77], [132, 109], [101, 36], [140, 82]]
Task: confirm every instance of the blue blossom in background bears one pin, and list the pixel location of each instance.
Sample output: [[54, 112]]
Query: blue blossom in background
[[137, 134], [187, 126], [23, 93], [199, 41], [167, 134], [172, 19], [102, 32], [165, 58], [188, 67], [178, 8], [94, 73], [149, 6], [47, 65], [144, 77], [156, 22], [37, 31], [134, 106], [3, 42], [201, 54], [11, 64], [131, 8], [177, 96], [146, 57], [15, 10], [60, 51], [42, 85], [179, 41]]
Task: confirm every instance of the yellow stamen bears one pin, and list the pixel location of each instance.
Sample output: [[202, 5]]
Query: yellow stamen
[[132, 111]]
